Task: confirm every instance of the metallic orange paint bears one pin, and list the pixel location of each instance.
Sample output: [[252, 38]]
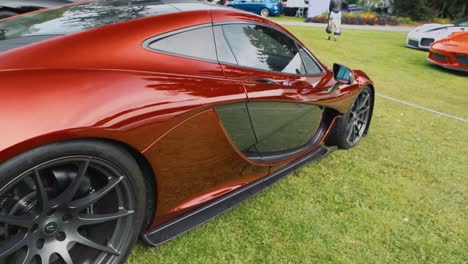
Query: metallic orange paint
[[103, 84], [447, 52], [195, 163]]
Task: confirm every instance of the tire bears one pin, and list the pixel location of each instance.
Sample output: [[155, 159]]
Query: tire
[[5, 13], [87, 195], [264, 12], [341, 134]]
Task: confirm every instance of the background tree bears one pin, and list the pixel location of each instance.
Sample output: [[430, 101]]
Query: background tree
[[424, 9]]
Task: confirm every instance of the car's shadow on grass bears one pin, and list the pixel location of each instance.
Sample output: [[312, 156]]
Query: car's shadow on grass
[[444, 70]]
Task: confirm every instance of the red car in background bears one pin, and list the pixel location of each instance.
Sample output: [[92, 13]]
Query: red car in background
[[122, 118], [451, 52]]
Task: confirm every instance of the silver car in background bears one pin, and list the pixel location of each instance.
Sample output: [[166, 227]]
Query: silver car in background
[[423, 36]]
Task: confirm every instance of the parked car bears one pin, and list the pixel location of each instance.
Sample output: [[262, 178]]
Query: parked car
[[154, 119], [383, 7], [354, 8], [423, 36], [15, 7], [264, 8], [451, 52]]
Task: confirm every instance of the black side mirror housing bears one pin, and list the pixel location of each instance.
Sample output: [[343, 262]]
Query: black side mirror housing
[[343, 74]]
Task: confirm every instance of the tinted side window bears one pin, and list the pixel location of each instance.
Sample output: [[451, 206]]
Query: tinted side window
[[311, 67], [197, 43], [263, 48], [222, 47]]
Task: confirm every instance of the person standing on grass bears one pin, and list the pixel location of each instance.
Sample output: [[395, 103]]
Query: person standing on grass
[[334, 17]]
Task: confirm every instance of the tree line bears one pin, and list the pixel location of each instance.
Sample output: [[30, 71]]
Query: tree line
[[424, 9]]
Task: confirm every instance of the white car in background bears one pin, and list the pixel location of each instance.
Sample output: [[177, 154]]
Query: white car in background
[[423, 36]]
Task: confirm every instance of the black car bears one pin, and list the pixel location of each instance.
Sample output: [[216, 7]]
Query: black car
[[15, 7]]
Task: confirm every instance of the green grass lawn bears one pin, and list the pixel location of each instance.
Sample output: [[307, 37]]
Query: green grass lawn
[[400, 196]]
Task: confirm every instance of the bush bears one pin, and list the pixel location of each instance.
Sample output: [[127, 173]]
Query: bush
[[360, 19]]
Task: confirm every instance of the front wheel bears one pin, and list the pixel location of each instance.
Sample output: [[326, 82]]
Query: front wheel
[[265, 12], [72, 202], [349, 130]]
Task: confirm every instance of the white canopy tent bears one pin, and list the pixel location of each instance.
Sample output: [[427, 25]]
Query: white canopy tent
[[317, 7]]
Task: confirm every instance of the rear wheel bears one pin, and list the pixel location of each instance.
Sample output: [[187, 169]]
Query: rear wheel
[[74, 202], [5, 13], [264, 12], [349, 130]]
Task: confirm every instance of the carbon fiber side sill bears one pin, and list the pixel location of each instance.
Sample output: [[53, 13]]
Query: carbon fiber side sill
[[199, 216]]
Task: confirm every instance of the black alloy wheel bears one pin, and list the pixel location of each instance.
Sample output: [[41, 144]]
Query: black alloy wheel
[[348, 131], [78, 204], [358, 118]]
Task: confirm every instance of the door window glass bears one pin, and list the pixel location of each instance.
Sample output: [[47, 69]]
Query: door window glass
[[222, 47], [283, 126], [263, 48], [311, 67]]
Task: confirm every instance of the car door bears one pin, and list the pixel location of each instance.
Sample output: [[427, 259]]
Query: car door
[[279, 77], [257, 5], [242, 4]]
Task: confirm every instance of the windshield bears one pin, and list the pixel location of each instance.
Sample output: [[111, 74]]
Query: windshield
[[75, 18], [461, 22]]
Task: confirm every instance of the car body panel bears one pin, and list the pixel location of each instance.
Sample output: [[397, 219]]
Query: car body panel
[[451, 52], [184, 164], [105, 83], [423, 36]]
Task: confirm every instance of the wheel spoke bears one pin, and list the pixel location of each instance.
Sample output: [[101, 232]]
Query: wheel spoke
[[42, 198], [70, 192], [45, 257], [363, 121], [101, 218], [86, 242], [21, 221], [363, 101], [350, 132], [363, 111], [65, 255], [13, 245], [356, 129], [94, 197]]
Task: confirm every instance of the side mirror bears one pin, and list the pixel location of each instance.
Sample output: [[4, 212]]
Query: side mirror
[[342, 74]]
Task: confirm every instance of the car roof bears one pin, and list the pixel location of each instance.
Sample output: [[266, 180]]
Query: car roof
[[87, 15]]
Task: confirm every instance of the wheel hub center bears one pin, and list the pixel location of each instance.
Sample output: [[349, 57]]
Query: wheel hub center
[[50, 228]]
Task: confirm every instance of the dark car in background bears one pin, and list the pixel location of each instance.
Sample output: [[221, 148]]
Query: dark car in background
[[14, 7], [264, 8], [354, 8]]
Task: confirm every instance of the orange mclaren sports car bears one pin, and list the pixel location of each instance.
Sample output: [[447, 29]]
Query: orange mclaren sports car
[[129, 118], [451, 52]]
